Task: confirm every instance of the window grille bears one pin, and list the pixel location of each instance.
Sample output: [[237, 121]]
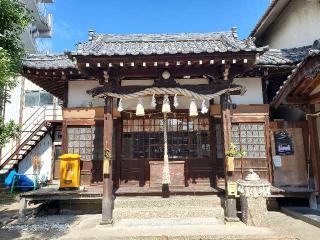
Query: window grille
[[250, 137], [187, 138], [86, 141], [38, 98]]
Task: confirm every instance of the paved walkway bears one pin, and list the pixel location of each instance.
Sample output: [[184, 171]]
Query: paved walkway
[[305, 214], [284, 224], [88, 227], [279, 224]]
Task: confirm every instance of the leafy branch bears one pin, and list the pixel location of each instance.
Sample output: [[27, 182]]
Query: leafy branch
[[234, 152]]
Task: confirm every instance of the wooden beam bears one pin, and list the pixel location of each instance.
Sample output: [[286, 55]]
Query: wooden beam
[[297, 100], [150, 59], [303, 72], [314, 98], [107, 198], [311, 86]]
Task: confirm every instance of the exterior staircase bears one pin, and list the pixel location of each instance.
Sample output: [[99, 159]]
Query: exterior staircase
[[33, 130], [176, 210]]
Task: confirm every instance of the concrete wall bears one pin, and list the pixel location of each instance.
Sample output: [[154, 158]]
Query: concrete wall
[[78, 97], [297, 25], [44, 150]]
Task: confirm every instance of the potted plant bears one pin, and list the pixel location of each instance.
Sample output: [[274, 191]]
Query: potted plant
[[231, 153]]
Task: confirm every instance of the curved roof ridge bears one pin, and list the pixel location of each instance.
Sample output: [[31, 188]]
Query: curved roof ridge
[[157, 37], [164, 43]]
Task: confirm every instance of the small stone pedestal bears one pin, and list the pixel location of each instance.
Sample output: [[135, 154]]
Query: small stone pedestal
[[253, 193]]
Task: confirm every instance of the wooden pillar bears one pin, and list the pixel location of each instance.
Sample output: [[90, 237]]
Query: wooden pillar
[[64, 131], [118, 148], [64, 137], [314, 148], [268, 148], [212, 134], [230, 204], [107, 198]]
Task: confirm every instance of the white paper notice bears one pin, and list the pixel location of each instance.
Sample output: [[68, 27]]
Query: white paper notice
[[277, 160]]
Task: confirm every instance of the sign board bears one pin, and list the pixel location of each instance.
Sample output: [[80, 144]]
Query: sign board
[[283, 143], [277, 161]]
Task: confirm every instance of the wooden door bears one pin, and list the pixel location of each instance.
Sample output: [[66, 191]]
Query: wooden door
[[56, 161], [251, 138], [292, 171], [188, 141]]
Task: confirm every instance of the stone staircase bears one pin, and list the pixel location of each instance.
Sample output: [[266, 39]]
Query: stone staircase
[[176, 210]]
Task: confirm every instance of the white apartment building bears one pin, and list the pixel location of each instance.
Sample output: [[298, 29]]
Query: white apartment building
[[27, 99]]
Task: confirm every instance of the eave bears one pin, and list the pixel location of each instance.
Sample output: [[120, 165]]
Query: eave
[[271, 14], [300, 84]]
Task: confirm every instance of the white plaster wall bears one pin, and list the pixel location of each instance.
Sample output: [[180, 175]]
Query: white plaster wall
[[184, 103], [13, 106], [298, 25], [253, 95], [29, 111], [44, 150], [12, 112], [30, 86], [78, 97]]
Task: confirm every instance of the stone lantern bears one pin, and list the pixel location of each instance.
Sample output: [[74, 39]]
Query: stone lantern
[[253, 194]]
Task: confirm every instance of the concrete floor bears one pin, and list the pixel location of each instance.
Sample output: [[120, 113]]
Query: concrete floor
[[88, 227]]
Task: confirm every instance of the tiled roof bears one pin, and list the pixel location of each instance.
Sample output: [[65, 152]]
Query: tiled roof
[[48, 61], [284, 56], [147, 44], [312, 52]]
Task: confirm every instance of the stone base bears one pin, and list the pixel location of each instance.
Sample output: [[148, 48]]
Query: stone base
[[231, 219], [176, 169], [107, 222], [254, 211]]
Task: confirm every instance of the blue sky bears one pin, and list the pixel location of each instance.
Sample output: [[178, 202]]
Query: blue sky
[[73, 18]]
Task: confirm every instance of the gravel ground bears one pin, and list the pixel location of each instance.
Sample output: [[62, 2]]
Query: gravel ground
[[49, 227]]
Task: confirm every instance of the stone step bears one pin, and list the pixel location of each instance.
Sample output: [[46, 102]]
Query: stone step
[[167, 212], [174, 201], [134, 222], [200, 236], [88, 229]]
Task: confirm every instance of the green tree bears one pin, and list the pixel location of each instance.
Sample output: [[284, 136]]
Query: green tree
[[14, 18]]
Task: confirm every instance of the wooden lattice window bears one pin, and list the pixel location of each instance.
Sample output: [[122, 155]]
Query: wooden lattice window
[[86, 141], [250, 137], [187, 138]]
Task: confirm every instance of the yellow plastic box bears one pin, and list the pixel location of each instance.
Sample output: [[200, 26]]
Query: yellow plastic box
[[69, 171]]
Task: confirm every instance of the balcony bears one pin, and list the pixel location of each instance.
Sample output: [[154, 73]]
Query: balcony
[[42, 19]]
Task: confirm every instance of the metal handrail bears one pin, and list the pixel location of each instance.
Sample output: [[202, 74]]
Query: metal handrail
[[29, 127]]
